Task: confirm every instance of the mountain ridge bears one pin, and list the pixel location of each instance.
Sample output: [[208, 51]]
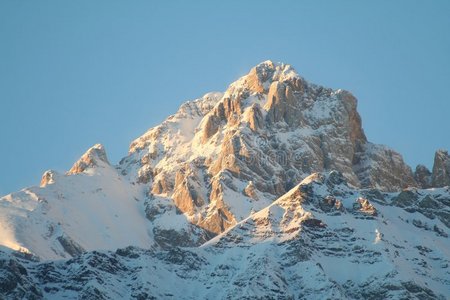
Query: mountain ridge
[[269, 165], [245, 144], [328, 240]]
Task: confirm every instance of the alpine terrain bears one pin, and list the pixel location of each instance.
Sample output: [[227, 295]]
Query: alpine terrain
[[269, 190]]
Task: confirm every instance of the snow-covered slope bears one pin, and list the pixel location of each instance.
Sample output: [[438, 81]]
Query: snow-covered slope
[[322, 240], [330, 240], [95, 209], [92, 207], [228, 179]]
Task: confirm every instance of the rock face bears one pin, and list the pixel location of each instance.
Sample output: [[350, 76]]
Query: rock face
[[381, 167], [441, 169], [270, 127], [423, 177], [92, 158], [49, 177]]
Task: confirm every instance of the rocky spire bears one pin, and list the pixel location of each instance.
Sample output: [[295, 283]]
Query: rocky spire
[[49, 177], [441, 169], [423, 177], [94, 157]]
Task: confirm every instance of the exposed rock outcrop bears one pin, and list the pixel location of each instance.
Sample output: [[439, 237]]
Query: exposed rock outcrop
[[49, 177], [255, 117], [423, 177], [441, 169], [187, 191], [250, 191], [383, 168], [430, 205], [364, 206], [210, 127], [94, 157], [280, 104], [70, 246]]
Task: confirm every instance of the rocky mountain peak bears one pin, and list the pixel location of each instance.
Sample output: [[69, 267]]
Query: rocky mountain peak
[[270, 127], [49, 177], [94, 157], [264, 74], [422, 176], [441, 169]]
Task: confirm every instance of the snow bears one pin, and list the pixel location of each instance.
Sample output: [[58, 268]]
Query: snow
[[97, 209], [380, 237]]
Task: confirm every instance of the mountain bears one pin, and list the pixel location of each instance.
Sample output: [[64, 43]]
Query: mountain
[[321, 240], [268, 190]]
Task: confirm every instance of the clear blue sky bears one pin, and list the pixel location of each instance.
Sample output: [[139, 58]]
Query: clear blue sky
[[76, 73]]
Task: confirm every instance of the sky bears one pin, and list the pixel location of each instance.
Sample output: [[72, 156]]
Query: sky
[[77, 73]]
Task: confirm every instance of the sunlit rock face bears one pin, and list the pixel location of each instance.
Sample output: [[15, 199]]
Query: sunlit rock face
[[49, 177], [270, 127], [94, 157]]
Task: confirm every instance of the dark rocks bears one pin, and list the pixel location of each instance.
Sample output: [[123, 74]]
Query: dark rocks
[[383, 168], [316, 223], [441, 169], [167, 238], [431, 205], [130, 252], [374, 195], [406, 198], [70, 246], [331, 204], [153, 210], [335, 178], [423, 177], [185, 258], [439, 177], [15, 281]]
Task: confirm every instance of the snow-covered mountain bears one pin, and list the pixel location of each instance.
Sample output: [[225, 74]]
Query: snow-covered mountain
[[220, 199], [321, 240]]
